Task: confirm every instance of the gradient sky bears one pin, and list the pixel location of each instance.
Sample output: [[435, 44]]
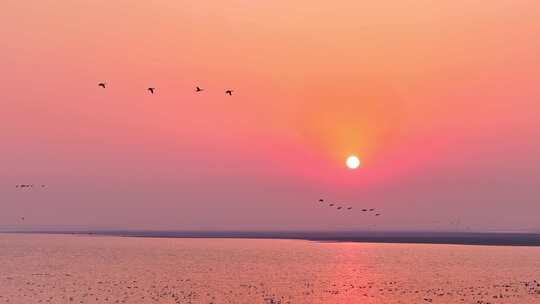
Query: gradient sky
[[440, 100]]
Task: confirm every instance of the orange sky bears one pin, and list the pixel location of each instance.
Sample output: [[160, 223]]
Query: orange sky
[[438, 98]]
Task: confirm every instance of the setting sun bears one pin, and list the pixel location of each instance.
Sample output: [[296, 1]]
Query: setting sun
[[353, 162]]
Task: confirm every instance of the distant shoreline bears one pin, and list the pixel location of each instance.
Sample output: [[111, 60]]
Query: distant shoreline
[[448, 238]]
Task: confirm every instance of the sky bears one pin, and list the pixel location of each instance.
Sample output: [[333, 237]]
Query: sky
[[439, 100]]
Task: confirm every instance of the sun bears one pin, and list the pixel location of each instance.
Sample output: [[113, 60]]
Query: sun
[[353, 162]]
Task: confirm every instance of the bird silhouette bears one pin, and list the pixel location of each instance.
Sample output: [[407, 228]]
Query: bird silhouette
[[339, 208], [151, 90], [197, 89], [349, 208], [229, 92], [321, 200], [102, 84], [371, 209], [331, 205], [377, 214], [364, 210]]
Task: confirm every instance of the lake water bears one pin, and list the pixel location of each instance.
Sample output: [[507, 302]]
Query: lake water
[[101, 269]]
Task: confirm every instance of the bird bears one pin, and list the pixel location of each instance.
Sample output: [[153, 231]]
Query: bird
[[377, 214], [151, 90], [197, 89], [321, 200], [339, 208], [349, 208], [229, 92], [371, 209], [331, 205], [102, 84], [364, 210]]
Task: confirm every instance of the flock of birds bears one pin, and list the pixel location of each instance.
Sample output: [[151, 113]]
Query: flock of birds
[[103, 85], [152, 90], [229, 92], [27, 186], [198, 89], [321, 201]]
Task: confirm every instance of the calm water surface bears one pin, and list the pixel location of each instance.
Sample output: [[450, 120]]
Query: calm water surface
[[90, 269]]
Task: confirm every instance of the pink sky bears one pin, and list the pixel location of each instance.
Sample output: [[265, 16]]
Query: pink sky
[[440, 100]]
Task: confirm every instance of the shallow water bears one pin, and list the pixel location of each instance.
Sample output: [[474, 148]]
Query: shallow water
[[98, 269]]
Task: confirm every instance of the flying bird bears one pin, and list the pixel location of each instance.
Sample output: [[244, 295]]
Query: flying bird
[[199, 89], [364, 210], [102, 84], [229, 92], [377, 214], [372, 209], [151, 90], [331, 205], [321, 200], [349, 208], [339, 208]]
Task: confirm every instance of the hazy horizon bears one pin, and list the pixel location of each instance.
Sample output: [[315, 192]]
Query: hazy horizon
[[80, 229]]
